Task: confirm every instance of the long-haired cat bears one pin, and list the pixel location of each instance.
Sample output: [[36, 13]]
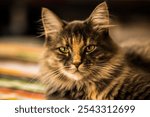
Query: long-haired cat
[[81, 60]]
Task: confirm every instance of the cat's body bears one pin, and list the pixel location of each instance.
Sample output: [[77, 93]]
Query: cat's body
[[81, 61]]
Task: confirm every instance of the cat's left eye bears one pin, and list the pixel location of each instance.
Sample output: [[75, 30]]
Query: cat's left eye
[[64, 50], [90, 48]]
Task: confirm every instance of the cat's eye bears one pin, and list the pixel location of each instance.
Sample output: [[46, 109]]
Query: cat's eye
[[90, 48], [64, 50]]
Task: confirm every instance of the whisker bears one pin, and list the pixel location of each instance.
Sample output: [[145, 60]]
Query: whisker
[[50, 73]]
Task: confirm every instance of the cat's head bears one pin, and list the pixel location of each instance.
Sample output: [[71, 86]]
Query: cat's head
[[78, 49]]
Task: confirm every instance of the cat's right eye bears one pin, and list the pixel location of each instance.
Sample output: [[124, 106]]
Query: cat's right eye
[[90, 48], [64, 50]]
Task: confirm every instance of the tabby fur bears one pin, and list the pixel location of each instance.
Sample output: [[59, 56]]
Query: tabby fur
[[81, 61]]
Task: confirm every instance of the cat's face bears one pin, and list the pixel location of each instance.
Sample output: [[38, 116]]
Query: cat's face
[[78, 49]]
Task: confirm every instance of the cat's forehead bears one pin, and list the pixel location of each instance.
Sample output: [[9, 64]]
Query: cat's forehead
[[74, 33], [76, 27], [78, 32]]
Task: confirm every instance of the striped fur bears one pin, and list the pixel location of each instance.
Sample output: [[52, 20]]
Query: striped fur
[[81, 61]]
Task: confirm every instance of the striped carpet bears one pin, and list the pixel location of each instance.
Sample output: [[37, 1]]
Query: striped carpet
[[19, 70]]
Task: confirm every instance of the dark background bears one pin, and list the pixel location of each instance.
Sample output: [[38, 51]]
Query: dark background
[[21, 17]]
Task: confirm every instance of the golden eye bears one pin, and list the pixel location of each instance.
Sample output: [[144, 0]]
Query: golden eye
[[90, 48], [64, 50]]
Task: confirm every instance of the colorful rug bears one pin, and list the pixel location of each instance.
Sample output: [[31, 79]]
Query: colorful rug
[[19, 70]]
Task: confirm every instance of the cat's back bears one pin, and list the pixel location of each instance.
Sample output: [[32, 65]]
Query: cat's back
[[135, 41], [135, 87]]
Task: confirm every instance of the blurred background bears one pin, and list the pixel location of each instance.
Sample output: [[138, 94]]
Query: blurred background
[[20, 17], [21, 43]]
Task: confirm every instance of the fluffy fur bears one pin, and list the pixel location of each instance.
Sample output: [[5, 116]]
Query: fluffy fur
[[81, 61]]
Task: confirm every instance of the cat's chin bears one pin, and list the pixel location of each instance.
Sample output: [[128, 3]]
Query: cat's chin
[[74, 76]]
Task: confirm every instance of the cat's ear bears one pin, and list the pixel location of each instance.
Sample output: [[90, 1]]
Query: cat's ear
[[99, 17], [52, 24]]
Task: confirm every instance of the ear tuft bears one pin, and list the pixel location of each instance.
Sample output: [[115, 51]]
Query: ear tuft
[[100, 16], [52, 24]]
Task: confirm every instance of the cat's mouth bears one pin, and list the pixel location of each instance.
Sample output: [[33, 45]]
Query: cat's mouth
[[77, 71], [74, 74]]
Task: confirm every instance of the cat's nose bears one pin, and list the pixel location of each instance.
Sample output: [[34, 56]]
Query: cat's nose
[[77, 64], [76, 60]]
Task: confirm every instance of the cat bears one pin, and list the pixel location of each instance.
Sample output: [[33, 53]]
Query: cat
[[82, 62]]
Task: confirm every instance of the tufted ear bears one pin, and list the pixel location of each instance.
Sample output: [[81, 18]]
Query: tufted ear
[[52, 24], [99, 18]]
